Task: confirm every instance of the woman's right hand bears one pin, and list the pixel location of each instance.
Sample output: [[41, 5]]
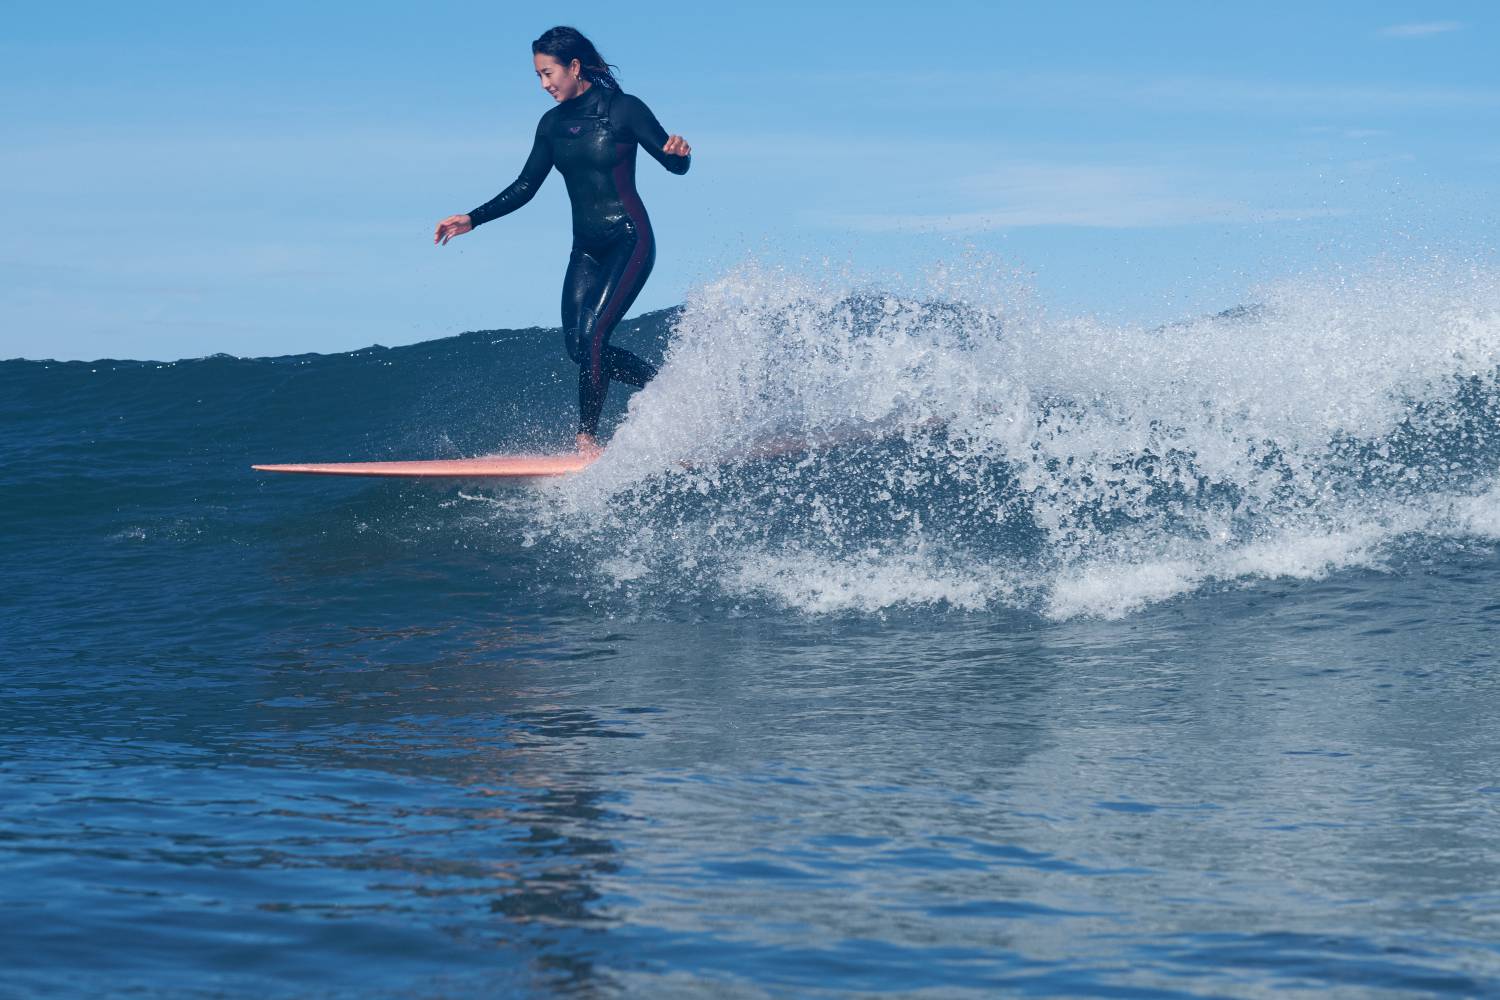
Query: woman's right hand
[[453, 225]]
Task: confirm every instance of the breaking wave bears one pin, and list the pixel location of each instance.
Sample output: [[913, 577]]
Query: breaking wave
[[835, 448]]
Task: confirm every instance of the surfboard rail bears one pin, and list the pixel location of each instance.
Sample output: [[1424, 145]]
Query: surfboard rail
[[484, 467], [526, 467]]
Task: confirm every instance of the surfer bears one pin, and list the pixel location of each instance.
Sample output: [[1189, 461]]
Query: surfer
[[590, 137]]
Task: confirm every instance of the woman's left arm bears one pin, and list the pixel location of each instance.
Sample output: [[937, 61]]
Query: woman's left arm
[[672, 152]]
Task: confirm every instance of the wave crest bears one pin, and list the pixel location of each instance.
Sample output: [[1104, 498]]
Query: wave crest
[[830, 447]]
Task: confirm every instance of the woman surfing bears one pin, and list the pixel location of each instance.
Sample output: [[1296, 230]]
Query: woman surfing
[[591, 138]]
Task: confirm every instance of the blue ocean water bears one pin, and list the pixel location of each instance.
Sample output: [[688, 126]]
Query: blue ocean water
[[1034, 656]]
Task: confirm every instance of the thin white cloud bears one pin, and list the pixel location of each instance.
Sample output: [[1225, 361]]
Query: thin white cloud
[[1049, 194], [1420, 29], [1186, 93], [1142, 214], [1344, 133]]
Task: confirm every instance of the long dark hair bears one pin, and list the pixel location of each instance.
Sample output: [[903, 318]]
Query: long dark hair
[[566, 44]]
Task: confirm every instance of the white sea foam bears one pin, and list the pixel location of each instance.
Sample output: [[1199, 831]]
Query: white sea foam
[[958, 446]]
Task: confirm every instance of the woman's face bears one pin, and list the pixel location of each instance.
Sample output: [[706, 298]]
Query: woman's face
[[562, 82]]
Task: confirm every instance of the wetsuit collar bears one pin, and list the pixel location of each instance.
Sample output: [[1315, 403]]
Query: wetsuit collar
[[581, 99]]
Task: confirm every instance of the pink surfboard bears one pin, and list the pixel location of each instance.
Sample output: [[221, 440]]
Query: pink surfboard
[[520, 468], [516, 467]]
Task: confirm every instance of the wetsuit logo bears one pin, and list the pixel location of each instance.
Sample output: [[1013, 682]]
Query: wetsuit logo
[[574, 128]]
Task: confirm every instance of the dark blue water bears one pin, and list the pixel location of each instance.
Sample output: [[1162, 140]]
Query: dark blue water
[[923, 708]]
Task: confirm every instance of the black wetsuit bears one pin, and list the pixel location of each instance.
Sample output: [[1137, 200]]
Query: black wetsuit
[[591, 139]]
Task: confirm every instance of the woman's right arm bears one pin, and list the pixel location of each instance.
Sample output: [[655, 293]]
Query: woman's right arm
[[522, 190]]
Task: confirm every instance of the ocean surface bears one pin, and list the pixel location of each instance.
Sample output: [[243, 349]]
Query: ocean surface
[[917, 643]]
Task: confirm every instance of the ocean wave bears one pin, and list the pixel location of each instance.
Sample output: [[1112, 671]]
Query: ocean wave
[[826, 447]]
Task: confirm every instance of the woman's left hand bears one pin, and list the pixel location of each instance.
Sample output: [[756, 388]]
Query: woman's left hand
[[677, 146]]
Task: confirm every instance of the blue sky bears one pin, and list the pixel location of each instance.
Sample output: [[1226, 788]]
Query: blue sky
[[180, 179]]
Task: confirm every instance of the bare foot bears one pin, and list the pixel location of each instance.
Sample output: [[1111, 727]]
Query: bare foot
[[588, 447]]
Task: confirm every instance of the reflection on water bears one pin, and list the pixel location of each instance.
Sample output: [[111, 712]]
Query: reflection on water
[[1278, 789]]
